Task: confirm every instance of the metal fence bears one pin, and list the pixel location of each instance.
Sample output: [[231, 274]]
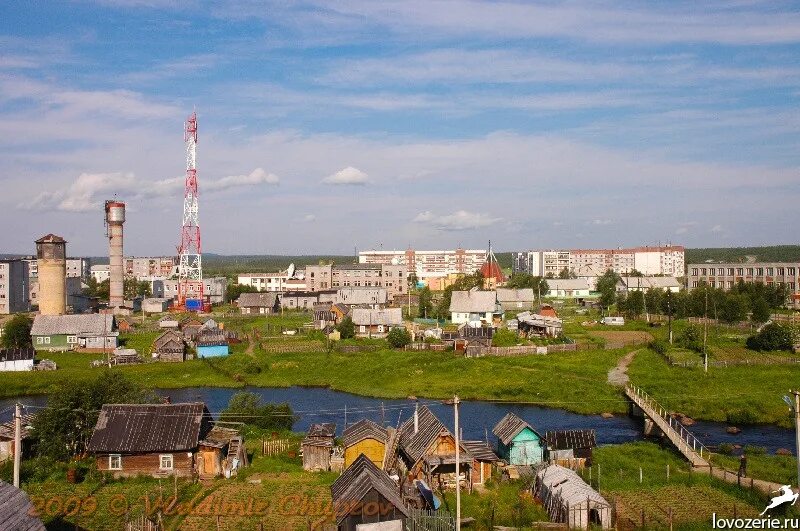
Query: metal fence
[[422, 520]]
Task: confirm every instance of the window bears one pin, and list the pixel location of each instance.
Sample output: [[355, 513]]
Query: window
[[760, 271], [740, 271], [694, 271], [770, 271], [721, 271], [780, 271], [730, 271], [115, 462], [790, 270], [166, 462], [750, 271], [72, 340], [703, 271]]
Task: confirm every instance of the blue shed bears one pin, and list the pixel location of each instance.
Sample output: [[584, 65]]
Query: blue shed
[[211, 344], [212, 351], [517, 442]]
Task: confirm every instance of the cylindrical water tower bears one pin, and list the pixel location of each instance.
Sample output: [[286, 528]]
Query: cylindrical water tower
[[51, 258], [115, 217]]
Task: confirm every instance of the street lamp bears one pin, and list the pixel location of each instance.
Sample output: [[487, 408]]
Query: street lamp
[[794, 407]]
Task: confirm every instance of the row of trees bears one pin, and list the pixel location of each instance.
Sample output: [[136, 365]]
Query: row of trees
[[131, 288], [430, 309]]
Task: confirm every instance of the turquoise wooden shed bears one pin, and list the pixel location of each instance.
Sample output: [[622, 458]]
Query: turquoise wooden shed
[[517, 442]]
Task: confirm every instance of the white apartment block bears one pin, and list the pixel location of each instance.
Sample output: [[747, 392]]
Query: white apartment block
[[150, 266], [429, 264], [727, 275], [279, 282], [664, 260], [14, 287], [100, 273]]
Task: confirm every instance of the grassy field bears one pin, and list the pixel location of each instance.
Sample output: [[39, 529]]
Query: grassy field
[[778, 468], [501, 504]]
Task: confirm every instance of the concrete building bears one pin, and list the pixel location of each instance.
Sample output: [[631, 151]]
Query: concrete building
[[281, 281], [51, 254], [14, 287], [629, 284], [660, 260], [214, 288], [79, 268], [150, 266], [726, 275], [567, 288], [361, 296], [427, 265], [391, 277], [100, 273]]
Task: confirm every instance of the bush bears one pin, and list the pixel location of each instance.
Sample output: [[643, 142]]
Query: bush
[[659, 346], [247, 407], [398, 337], [504, 338], [691, 339], [750, 449], [347, 328], [725, 449], [772, 337]]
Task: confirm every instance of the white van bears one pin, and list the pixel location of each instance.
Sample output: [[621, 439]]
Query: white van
[[613, 320]]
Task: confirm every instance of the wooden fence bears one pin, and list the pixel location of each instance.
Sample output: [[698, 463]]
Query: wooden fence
[[476, 351], [276, 446], [422, 520], [755, 361], [142, 523], [439, 347]]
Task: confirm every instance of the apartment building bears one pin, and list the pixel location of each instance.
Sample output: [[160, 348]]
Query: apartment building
[[215, 288], [100, 273], [726, 275], [392, 277], [428, 265], [661, 260], [14, 287], [76, 267], [153, 266], [279, 282]]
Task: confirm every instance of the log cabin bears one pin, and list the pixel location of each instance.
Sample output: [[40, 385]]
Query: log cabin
[[367, 438], [163, 440], [317, 447], [169, 346], [517, 442]]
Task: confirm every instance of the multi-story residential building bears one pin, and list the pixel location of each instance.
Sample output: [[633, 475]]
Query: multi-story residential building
[[79, 268], [100, 273], [215, 288], [663, 260], [14, 287], [280, 281], [393, 277], [75, 300], [152, 266], [429, 264], [726, 275]]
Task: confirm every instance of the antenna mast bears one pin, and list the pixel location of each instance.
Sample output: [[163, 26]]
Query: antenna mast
[[190, 269]]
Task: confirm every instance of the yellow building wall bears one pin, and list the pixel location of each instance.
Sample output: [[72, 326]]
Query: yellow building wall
[[373, 449]]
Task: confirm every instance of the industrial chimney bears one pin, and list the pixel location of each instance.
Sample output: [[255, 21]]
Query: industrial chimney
[[115, 217], [51, 257]]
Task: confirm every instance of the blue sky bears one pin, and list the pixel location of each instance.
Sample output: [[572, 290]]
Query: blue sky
[[329, 125]]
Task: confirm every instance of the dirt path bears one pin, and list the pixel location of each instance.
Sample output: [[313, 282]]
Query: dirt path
[[619, 375]]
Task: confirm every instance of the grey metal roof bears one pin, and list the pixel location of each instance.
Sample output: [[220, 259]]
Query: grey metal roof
[[16, 510], [515, 295], [85, 324], [144, 428], [267, 299], [480, 451], [342, 267], [369, 316], [359, 479], [363, 429], [509, 427], [473, 302], [567, 283]]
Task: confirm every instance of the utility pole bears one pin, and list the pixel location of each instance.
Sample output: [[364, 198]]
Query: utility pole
[[17, 442], [669, 314], [458, 465], [705, 332], [794, 405]]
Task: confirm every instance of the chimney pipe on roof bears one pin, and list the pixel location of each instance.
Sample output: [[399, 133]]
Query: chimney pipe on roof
[[416, 417]]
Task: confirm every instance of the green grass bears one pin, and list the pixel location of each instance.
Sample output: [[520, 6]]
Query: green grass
[[778, 468], [502, 504]]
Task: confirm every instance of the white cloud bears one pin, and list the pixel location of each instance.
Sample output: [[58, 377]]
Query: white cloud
[[716, 228], [348, 175], [458, 220], [602, 222], [89, 190], [308, 218]]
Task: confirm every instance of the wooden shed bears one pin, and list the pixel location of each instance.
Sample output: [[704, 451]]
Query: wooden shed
[[317, 447], [367, 438], [517, 442], [7, 449], [361, 489], [571, 447], [169, 346], [568, 499], [483, 460]]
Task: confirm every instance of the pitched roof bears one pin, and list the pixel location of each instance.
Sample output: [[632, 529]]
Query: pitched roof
[[51, 238], [142, 428], [515, 295], [473, 301], [327, 429], [84, 324], [16, 510], [7, 428], [360, 478], [370, 316], [570, 439], [429, 428], [567, 283], [480, 451], [509, 427], [17, 354], [363, 429], [267, 299], [166, 337]]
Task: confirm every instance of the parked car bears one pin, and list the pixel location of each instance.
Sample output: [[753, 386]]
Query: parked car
[[615, 320]]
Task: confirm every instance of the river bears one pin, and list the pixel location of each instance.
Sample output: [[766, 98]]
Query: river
[[476, 417]]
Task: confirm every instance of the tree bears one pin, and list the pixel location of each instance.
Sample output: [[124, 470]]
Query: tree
[[398, 337], [526, 280], [247, 407], [760, 310], [425, 302], [17, 332], [566, 273], [734, 308], [634, 305], [346, 328], [691, 339], [63, 429], [772, 337], [133, 288], [234, 290], [607, 286]]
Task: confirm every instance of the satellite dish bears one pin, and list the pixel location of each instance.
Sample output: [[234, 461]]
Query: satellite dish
[[290, 271]]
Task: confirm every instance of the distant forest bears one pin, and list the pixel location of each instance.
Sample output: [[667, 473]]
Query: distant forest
[[773, 253]]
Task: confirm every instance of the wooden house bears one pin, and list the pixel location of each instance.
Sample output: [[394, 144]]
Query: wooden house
[[86, 332], [364, 438], [317, 447], [361, 488], [261, 303], [515, 299], [190, 327], [7, 449], [124, 324], [161, 440], [211, 343], [17, 359], [221, 453], [518, 443], [340, 311], [371, 322], [483, 460], [427, 450], [299, 300], [169, 346], [169, 322], [570, 447], [16, 511]]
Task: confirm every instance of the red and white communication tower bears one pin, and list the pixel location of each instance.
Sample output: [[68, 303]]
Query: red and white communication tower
[[190, 269]]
